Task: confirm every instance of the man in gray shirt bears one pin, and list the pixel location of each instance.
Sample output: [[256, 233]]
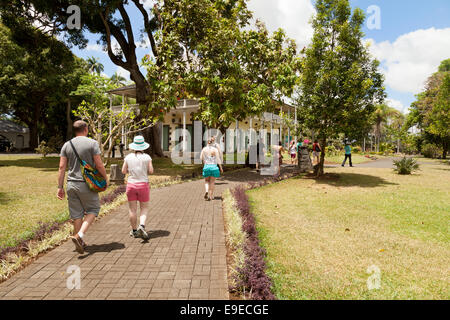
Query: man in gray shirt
[[83, 203]]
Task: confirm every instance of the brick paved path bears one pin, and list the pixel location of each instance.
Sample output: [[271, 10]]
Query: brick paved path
[[184, 259]]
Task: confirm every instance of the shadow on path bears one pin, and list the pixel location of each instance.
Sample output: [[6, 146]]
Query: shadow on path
[[353, 180], [153, 234], [91, 249]]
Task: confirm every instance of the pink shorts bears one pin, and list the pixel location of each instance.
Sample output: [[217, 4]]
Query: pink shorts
[[138, 192]]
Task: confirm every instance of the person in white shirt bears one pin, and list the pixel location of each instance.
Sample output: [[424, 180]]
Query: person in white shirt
[[138, 165], [212, 164]]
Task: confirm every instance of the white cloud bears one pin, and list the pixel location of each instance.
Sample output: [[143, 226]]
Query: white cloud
[[396, 104], [148, 4], [291, 15], [94, 47], [412, 58], [124, 73]]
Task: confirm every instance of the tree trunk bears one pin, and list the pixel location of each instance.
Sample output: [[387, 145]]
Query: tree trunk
[[69, 131], [444, 150], [33, 126], [152, 134], [323, 143]]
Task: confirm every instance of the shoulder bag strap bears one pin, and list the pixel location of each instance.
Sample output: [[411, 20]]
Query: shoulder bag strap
[[76, 153]]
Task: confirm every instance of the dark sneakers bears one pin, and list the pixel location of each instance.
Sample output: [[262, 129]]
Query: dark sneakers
[[78, 244], [139, 233], [142, 233], [134, 234]]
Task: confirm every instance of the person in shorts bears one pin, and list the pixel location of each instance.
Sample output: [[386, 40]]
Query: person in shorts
[[293, 151], [211, 169], [84, 204], [138, 165], [316, 151]]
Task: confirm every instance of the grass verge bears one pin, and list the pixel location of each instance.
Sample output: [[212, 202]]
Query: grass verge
[[323, 236]]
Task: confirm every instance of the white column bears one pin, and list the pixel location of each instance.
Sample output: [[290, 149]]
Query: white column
[[289, 128], [250, 141], [110, 121], [281, 125], [184, 130], [123, 138], [236, 134], [271, 128], [296, 137]]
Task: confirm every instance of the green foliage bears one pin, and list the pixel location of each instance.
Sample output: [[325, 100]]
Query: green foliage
[[431, 111], [234, 71], [356, 149], [431, 151], [340, 83], [37, 73], [44, 149], [406, 165]]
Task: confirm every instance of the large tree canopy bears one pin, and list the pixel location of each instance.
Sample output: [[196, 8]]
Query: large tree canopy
[[431, 111], [196, 47], [37, 73], [340, 83]]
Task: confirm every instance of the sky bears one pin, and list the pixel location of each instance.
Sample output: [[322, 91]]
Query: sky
[[409, 37]]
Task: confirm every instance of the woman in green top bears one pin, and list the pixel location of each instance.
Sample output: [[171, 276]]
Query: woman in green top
[[348, 154]]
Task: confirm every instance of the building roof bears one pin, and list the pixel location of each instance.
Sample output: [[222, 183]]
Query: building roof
[[130, 91], [11, 127]]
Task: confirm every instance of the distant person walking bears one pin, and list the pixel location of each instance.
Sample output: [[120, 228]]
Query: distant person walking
[[138, 165], [316, 151], [293, 151], [121, 147], [348, 154], [84, 204], [211, 169]]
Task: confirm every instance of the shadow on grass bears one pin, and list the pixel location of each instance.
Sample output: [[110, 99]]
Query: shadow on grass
[[46, 164], [91, 249], [353, 180], [5, 197]]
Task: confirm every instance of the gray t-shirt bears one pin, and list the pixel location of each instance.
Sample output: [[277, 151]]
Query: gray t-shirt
[[86, 149]]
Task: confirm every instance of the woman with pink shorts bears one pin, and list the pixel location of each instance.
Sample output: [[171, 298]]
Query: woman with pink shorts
[[138, 165]]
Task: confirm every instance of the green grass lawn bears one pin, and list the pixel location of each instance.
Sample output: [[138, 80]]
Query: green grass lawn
[[321, 236], [28, 193]]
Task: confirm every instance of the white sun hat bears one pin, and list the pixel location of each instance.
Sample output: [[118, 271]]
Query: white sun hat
[[139, 144]]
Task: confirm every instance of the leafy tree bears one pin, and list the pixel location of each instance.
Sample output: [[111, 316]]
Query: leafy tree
[[99, 116], [340, 84], [95, 65], [431, 111], [381, 116], [196, 48], [34, 70], [117, 79]]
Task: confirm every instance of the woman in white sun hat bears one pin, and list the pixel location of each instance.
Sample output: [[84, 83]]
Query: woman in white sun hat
[[138, 165]]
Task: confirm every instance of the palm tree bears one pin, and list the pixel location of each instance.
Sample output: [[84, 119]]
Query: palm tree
[[117, 79], [95, 65], [382, 113]]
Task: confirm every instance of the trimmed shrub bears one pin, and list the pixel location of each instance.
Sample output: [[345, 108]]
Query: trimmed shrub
[[43, 149], [406, 165]]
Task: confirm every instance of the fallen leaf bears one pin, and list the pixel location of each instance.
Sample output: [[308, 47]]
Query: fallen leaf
[[381, 250]]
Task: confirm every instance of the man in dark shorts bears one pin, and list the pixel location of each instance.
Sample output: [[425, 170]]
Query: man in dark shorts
[[83, 203]]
